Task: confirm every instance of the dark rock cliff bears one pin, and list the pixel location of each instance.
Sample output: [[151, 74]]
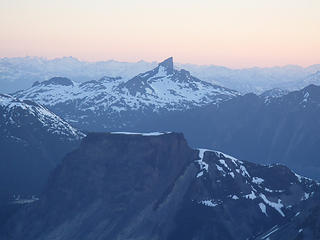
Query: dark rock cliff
[[154, 186]]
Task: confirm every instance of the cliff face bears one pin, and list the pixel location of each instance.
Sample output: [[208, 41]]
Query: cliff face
[[154, 186], [120, 179], [113, 186]]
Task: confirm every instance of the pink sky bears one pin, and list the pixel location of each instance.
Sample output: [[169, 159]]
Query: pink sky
[[231, 33]]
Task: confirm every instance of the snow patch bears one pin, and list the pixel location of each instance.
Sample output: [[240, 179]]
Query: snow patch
[[305, 196], [209, 203], [244, 171], [19, 200], [235, 197], [231, 174], [257, 180], [223, 162], [203, 165], [251, 196], [276, 205], [263, 208]]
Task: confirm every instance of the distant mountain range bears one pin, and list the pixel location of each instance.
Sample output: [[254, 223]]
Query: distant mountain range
[[21, 73], [33, 140], [258, 80], [115, 103], [154, 186]]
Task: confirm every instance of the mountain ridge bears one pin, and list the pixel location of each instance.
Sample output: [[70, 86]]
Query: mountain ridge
[[278, 129], [20, 73], [119, 100]]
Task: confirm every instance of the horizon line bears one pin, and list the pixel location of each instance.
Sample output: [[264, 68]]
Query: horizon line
[[157, 62]]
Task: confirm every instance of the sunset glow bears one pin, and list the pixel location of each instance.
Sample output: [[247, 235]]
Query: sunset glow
[[233, 33]]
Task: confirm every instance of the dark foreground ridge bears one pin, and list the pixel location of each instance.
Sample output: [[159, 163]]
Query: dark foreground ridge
[[154, 186]]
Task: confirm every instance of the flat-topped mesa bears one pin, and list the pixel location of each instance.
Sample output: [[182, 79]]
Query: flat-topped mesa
[[171, 141], [167, 65], [127, 161]]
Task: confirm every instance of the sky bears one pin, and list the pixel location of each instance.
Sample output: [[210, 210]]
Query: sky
[[233, 33]]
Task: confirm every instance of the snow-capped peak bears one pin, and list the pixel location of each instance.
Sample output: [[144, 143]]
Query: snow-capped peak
[[16, 113], [160, 89], [256, 183]]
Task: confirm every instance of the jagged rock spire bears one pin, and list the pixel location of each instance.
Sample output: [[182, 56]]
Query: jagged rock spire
[[168, 65]]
